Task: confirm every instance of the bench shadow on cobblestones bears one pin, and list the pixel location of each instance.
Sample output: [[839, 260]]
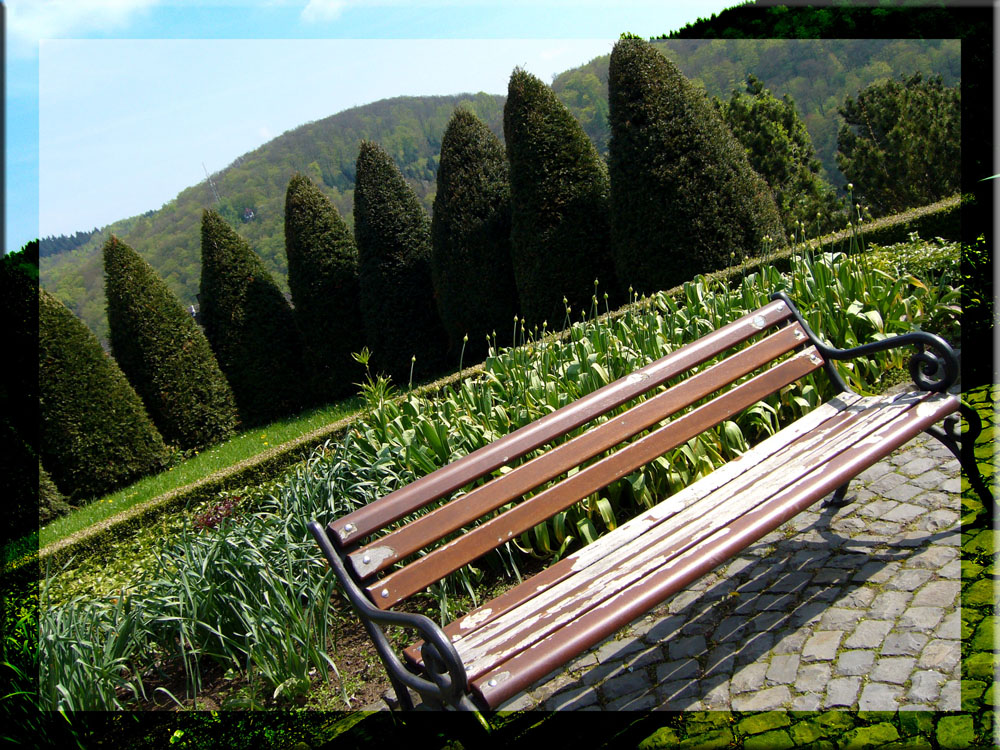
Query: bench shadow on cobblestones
[[746, 629]]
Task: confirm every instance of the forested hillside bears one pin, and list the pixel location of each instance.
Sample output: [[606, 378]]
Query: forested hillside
[[249, 193]]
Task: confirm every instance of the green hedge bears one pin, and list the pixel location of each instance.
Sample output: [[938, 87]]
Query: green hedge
[[164, 354]]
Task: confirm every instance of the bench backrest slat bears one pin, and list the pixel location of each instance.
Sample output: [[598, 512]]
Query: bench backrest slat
[[479, 540], [431, 527], [354, 526]]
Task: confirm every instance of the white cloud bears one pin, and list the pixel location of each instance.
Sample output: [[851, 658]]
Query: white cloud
[[322, 10], [28, 21]]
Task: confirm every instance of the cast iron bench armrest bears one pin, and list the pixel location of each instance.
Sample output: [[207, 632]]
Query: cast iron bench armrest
[[923, 364], [447, 671]]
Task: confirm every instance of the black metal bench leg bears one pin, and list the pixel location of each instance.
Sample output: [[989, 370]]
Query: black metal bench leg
[[839, 497], [963, 448]]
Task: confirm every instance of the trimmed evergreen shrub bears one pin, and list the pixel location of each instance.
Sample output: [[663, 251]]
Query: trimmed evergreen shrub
[[250, 326], [20, 484], [323, 278], [470, 236], [164, 354], [397, 296], [560, 237], [684, 199], [51, 503], [95, 433]]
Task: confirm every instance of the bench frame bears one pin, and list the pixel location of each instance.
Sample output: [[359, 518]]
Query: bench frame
[[443, 682]]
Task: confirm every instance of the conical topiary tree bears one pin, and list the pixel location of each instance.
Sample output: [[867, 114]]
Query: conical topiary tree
[[560, 237], [164, 354], [684, 199], [323, 279], [95, 433], [250, 326], [470, 235], [397, 296]]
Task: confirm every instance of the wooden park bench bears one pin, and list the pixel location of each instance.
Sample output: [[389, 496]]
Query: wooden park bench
[[505, 645]]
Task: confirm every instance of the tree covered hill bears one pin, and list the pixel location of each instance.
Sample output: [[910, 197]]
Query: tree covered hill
[[249, 194]]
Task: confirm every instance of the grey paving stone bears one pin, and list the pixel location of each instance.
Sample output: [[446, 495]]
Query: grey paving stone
[[920, 618], [617, 649], [837, 618], [763, 700], [822, 646], [940, 655], [626, 684], [665, 629], [755, 647], [886, 483], [877, 696], [684, 669], [572, 700], [649, 657], [950, 627], [925, 686], [905, 512], [642, 700], [783, 669], [857, 662], [920, 466], [682, 601], [842, 692], [717, 696], [807, 702], [909, 579], [932, 558], [813, 678], [859, 598], [832, 576], [890, 604], [676, 696], [791, 643], [869, 634], [790, 581], [720, 661], [951, 696], [520, 702], [681, 648], [748, 678], [937, 594], [877, 572], [601, 672], [895, 669], [907, 643], [874, 472]]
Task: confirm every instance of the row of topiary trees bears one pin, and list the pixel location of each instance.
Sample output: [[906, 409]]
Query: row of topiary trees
[[523, 230]]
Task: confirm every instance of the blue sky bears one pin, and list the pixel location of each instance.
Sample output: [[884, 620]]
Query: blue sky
[[114, 106]]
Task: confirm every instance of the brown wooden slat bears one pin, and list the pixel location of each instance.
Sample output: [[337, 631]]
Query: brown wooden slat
[[587, 629], [599, 573], [485, 537], [421, 532], [363, 521], [741, 466]]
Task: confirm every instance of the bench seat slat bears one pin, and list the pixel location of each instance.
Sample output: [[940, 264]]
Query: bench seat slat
[[427, 529], [485, 537], [675, 526], [360, 523], [817, 419], [586, 628]]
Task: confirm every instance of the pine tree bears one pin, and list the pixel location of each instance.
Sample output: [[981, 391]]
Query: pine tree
[[684, 199], [323, 279], [781, 151], [164, 354], [397, 295], [900, 144], [95, 433], [560, 237], [250, 326], [470, 235]]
